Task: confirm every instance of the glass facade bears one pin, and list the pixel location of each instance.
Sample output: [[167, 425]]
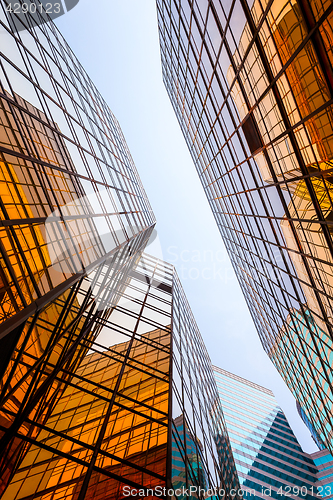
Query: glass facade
[[201, 452], [140, 410], [324, 462], [40, 357], [296, 354], [322, 459], [269, 460], [251, 82], [315, 436], [74, 222]]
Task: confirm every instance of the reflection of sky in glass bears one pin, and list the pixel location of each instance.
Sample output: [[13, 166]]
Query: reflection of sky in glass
[[265, 449]]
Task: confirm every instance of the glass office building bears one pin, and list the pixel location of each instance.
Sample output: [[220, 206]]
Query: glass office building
[[74, 222], [269, 460], [140, 412], [251, 82], [322, 459], [296, 352], [324, 463]]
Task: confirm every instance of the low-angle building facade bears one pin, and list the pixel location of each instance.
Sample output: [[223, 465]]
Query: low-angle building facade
[[269, 460], [251, 83], [74, 221], [107, 390], [324, 463], [135, 417]]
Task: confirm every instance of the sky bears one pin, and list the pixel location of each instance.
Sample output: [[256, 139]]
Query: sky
[[117, 43]]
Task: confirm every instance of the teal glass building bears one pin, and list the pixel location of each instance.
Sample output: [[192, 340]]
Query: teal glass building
[[195, 469], [314, 434], [322, 458], [303, 354], [324, 462], [269, 460]]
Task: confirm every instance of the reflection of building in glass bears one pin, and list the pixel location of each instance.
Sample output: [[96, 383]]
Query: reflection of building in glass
[[112, 403], [58, 274], [100, 350], [194, 451], [315, 436], [266, 451], [114, 421], [252, 89], [322, 459], [197, 417], [56, 219]]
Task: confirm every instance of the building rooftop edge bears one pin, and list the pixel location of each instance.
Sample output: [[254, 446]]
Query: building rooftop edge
[[318, 454], [243, 380]]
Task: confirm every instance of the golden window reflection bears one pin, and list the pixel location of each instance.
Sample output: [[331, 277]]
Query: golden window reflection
[[134, 434]]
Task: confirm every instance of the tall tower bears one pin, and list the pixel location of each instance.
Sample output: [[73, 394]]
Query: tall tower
[[74, 222], [269, 460], [252, 85], [140, 413]]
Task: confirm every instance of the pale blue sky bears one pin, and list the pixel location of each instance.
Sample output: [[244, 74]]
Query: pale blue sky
[[117, 43]]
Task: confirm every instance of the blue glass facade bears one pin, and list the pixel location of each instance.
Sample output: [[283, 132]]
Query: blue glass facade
[[324, 462], [303, 354], [195, 469], [269, 460], [314, 434]]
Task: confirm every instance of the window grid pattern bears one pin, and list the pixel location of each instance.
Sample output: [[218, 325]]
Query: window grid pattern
[[124, 416], [75, 220], [69, 189], [201, 455], [266, 451], [46, 351], [251, 83]]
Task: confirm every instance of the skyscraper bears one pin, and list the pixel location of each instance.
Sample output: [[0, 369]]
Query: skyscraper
[[269, 460], [74, 222], [324, 463], [252, 85], [141, 412], [104, 374], [322, 459]]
